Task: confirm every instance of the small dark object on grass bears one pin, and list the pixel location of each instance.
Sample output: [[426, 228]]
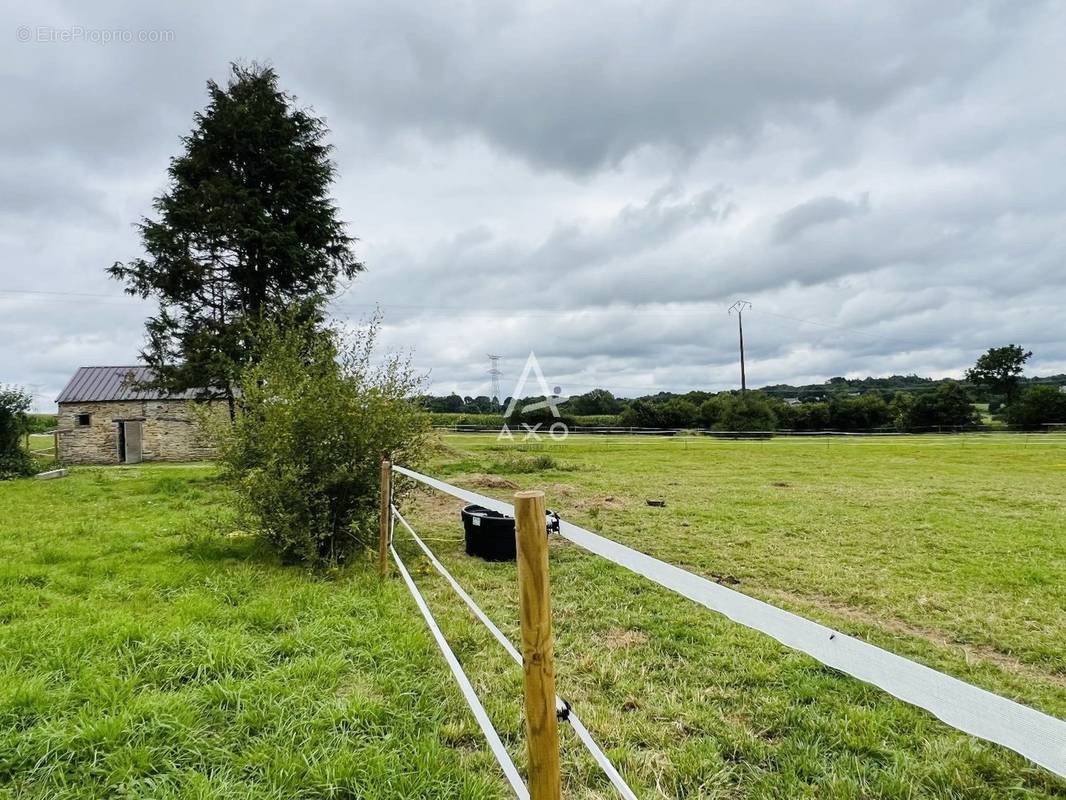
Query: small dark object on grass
[[656, 503], [732, 580]]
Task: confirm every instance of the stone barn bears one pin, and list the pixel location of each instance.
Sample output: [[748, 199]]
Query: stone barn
[[105, 419]]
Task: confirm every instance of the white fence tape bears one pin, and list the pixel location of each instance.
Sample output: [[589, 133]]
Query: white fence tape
[[1039, 737], [495, 744]]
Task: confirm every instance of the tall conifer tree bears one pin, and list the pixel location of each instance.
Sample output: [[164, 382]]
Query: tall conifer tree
[[246, 232]]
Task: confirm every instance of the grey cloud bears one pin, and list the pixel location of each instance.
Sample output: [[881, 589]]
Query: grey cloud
[[494, 266], [679, 251], [819, 211], [575, 90], [585, 89], [52, 192], [635, 229], [594, 182]]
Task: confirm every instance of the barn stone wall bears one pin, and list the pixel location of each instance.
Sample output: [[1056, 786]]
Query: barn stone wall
[[170, 431]]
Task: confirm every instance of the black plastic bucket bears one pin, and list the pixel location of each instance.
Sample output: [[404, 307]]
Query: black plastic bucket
[[490, 535]]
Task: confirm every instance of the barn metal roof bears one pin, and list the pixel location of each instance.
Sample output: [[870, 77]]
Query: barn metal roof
[[105, 384]]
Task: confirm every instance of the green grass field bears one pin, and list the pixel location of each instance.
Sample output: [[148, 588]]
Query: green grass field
[[147, 649], [947, 550], [42, 445], [143, 654]]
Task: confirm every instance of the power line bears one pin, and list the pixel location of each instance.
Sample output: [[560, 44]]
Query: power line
[[75, 297], [873, 336], [55, 294]]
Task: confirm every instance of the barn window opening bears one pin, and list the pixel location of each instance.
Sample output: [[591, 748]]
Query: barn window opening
[[82, 420]]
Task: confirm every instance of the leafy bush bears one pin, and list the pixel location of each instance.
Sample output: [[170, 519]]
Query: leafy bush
[[596, 420], [515, 465], [863, 413], [451, 418], [947, 406], [803, 417], [41, 423], [540, 416], [14, 424], [673, 413], [594, 403], [900, 410], [317, 415], [679, 413], [1037, 406], [750, 411], [640, 414]]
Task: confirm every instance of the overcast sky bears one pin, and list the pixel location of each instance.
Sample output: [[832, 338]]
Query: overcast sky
[[593, 182]]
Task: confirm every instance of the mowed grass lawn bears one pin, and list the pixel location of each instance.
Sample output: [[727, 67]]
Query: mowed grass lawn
[[148, 649]]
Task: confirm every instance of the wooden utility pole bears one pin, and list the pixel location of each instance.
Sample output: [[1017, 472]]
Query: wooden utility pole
[[538, 648], [739, 307], [385, 522]]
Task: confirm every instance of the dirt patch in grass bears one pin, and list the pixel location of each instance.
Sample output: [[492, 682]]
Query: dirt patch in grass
[[624, 638], [580, 502], [434, 506], [484, 481], [357, 685]]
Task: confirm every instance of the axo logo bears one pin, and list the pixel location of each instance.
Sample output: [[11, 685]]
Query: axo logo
[[531, 431]]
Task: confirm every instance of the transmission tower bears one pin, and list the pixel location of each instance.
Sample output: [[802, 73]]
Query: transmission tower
[[494, 371]]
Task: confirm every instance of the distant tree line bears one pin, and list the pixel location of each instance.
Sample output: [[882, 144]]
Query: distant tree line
[[894, 403]]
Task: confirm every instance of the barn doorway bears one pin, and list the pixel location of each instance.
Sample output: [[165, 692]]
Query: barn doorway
[[130, 438]]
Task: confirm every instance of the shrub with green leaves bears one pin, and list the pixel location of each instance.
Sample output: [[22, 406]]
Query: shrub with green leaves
[[1038, 406], [947, 406], [750, 411], [318, 412], [41, 423], [14, 421]]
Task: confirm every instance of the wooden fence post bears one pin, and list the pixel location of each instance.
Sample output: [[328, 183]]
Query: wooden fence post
[[538, 649], [385, 523]]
